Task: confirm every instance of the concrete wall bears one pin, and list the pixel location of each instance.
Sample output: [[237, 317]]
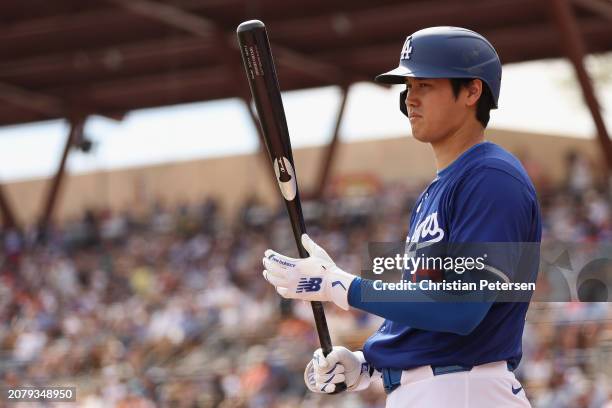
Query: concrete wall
[[233, 178]]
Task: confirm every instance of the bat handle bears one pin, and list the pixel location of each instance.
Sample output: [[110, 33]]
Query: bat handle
[[324, 339]]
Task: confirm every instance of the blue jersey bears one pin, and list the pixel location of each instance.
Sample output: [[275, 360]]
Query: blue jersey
[[485, 195]]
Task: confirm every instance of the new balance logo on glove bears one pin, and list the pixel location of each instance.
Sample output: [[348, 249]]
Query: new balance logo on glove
[[309, 285], [281, 261], [315, 278]]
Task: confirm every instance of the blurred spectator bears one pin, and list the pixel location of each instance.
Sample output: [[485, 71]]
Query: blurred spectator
[[170, 309], [579, 173]]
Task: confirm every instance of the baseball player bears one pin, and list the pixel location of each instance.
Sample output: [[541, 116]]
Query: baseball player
[[437, 354]]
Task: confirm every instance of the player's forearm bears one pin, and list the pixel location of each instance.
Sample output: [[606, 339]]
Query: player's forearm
[[412, 310]]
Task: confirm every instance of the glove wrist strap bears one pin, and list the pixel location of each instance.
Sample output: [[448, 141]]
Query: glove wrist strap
[[340, 283]]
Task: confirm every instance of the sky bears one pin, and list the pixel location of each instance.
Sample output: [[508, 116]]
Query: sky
[[540, 96]]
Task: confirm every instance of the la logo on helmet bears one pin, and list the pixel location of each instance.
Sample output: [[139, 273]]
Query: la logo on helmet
[[407, 49]]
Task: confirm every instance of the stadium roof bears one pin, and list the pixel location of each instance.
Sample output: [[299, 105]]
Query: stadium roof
[[72, 57]]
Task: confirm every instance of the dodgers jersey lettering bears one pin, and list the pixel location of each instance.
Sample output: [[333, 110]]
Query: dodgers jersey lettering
[[485, 195]]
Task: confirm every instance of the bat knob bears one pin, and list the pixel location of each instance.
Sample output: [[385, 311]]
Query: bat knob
[[341, 387], [249, 25]]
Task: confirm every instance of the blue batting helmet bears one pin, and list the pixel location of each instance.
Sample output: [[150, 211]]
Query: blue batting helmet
[[447, 52]]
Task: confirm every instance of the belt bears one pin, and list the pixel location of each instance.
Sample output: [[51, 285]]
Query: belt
[[392, 377]]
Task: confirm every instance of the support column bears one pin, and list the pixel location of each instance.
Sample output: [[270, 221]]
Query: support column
[[330, 152], [76, 131], [8, 217], [576, 50], [262, 143]]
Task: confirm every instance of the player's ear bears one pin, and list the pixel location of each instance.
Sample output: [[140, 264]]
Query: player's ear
[[474, 90]]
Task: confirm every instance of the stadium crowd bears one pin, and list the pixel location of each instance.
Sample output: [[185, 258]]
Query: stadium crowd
[[170, 309]]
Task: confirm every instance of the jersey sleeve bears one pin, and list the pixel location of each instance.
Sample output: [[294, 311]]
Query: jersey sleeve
[[492, 214]]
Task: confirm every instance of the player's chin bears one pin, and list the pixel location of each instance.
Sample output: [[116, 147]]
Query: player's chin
[[419, 134]]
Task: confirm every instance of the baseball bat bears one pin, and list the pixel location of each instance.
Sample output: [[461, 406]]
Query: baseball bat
[[261, 75]]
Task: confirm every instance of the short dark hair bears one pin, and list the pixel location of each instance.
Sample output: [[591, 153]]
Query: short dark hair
[[485, 103]]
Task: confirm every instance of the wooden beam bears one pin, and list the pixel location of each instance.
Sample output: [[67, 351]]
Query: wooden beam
[[574, 46]]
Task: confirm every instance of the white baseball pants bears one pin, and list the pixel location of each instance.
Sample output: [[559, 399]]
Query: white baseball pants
[[485, 386]]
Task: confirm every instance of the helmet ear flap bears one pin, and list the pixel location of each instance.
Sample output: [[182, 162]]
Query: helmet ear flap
[[402, 102]]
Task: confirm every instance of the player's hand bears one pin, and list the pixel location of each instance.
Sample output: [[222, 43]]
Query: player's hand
[[341, 365], [316, 278]]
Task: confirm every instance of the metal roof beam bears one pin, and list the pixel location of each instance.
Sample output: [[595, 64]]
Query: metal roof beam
[[171, 15], [331, 150], [204, 27], [110, 60], [601, 7], [8, 216], [403, 18], [45, 35], [76, 131], [33, 101], [536, 41], [45, 105], [165, 82], [53, 24], [262, 153], [575, 48], [193, 85]]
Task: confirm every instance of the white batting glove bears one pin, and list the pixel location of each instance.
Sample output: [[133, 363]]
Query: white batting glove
[[341, 365], [316, 278]]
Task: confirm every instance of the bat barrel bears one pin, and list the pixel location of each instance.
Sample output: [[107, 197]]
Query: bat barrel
[[250, 25], [263, 81]]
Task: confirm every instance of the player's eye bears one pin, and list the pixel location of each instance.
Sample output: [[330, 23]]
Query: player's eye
[[420, 85]]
